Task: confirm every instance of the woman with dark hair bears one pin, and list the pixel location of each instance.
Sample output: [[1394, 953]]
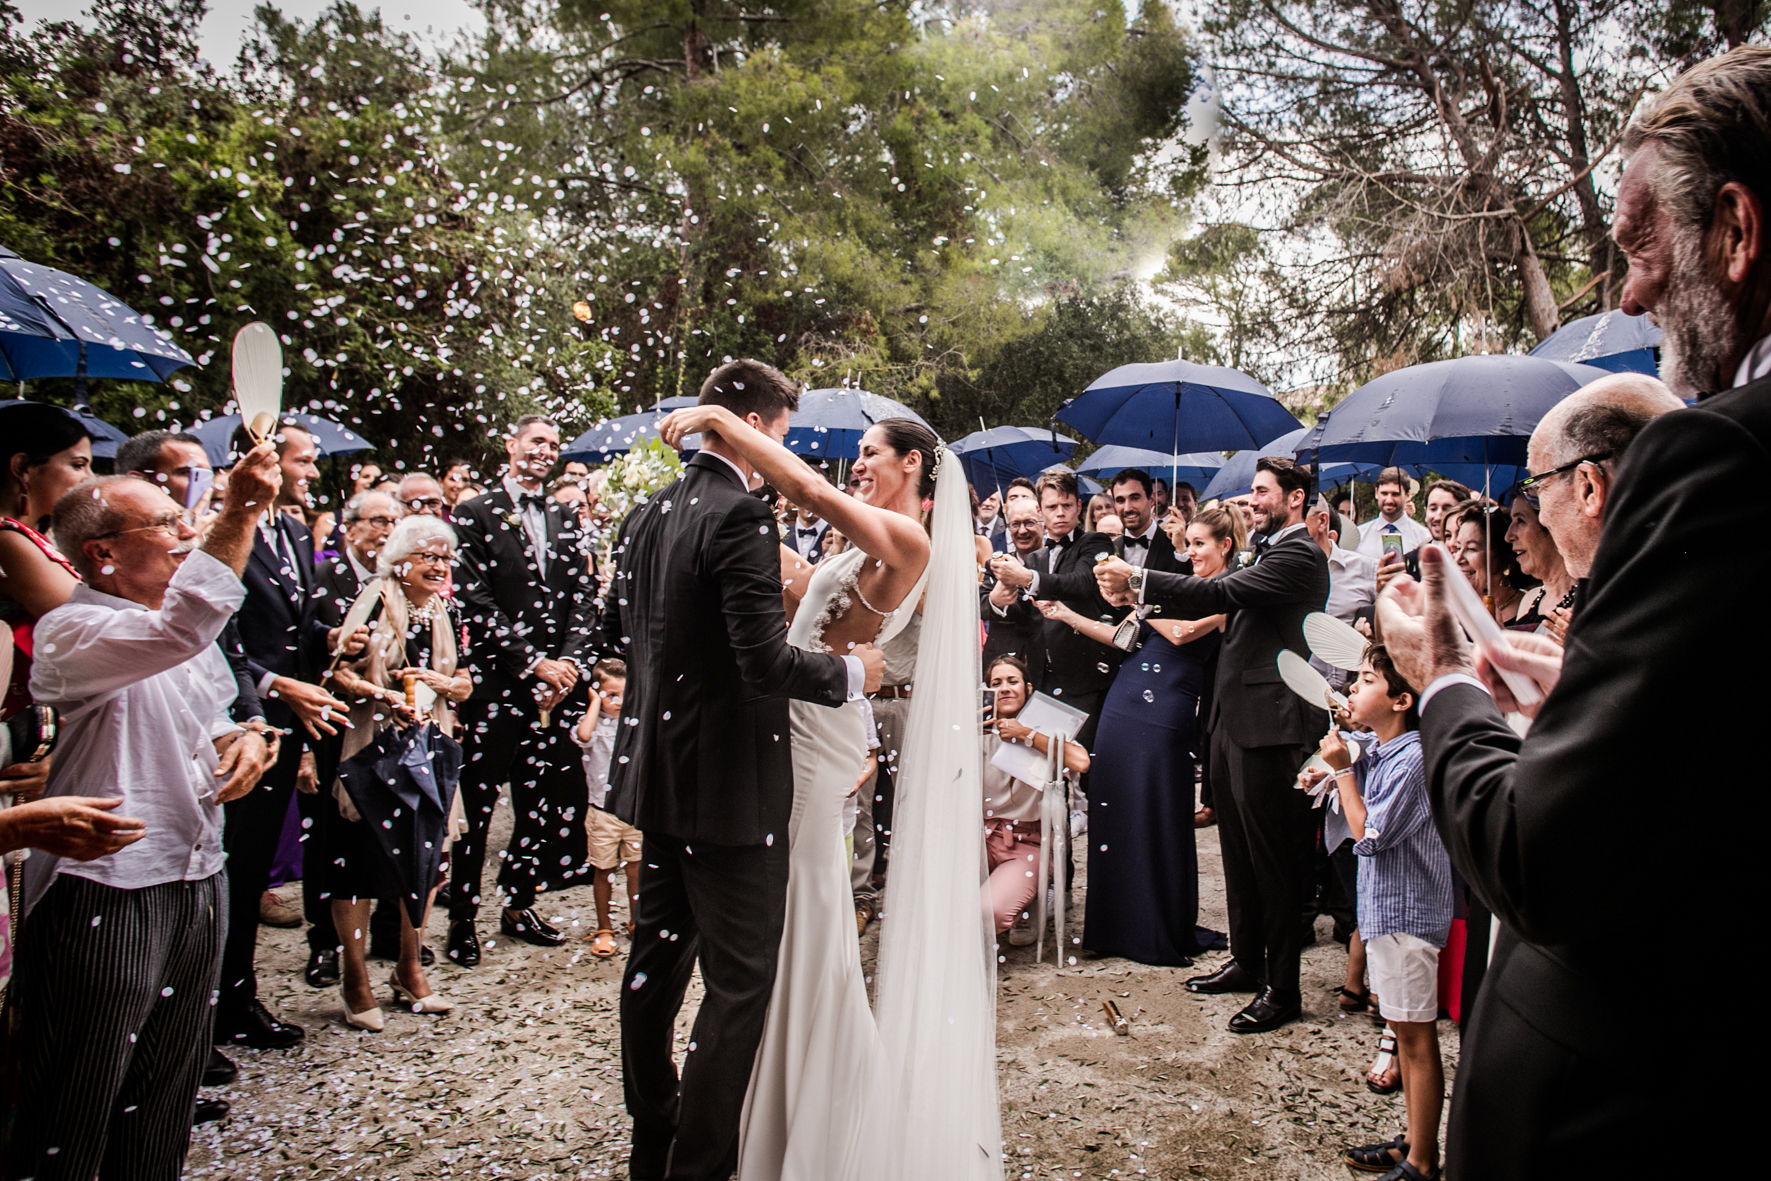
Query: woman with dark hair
[[1475, 534], [48, 451], [1143, 866], [1540, 559]]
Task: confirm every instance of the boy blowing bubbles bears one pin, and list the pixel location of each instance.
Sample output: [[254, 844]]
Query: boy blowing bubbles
[[612, 843], [1405, 900]]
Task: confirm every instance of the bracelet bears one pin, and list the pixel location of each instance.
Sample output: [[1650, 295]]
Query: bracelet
[[1343, 771]]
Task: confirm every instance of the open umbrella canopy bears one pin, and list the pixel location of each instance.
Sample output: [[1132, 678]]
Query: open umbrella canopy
[[994, 457], [1194, 468], [55, 325], [612, 437], [403, 784], [829, 423], [1469, 412], [1178, 407], [329, 437], [1236, 477], [1609, 340], [105, 437]]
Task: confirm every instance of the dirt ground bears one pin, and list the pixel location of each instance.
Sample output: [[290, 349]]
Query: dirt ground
[[524, 1079]]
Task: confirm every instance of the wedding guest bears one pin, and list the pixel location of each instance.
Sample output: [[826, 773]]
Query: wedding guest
[[1558, 1062], [1405, 900], [1142, 543], [987, 513], [805, 534], [569, 495], [614, 845], [364, 476], [834, 542], [1143, 866], [286, 646], [1441, 496], [414, 636], [118, 956], [528, 598], [1109, 525], [1537, 557], [1015, 633], [176, 462], [1260, 734], [1476, 534], [1186, 499], [457, 478], [1392, 520], [1012, 832], [1099, 505], [420, 494], [1159, 498], [47, 451]]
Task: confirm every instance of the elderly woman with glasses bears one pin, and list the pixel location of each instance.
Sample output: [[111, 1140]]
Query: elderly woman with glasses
[[413, 638]]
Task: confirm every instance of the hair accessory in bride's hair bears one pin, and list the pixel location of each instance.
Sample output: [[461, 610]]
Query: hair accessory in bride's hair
[[940, 458]]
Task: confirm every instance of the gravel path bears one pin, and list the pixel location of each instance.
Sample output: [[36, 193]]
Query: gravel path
[[524, 1079]]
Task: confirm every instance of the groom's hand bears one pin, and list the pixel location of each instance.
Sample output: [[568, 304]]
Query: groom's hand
[[873, 661]]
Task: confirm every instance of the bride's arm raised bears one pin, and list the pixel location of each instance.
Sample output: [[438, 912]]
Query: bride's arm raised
[[893, 538]]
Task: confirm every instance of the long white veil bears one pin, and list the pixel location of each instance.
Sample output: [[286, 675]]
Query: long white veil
[[935, 999]]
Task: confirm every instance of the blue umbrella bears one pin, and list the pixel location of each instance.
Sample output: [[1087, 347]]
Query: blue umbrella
[[1470, 413], [55, 325], [1609, 340], [1236, 477], [994, 457], [1195, 467], [329, 437], [829, 423], [1177, 407], [612, 437]]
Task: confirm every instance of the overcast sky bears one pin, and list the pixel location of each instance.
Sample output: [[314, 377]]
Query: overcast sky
[[225, 27]]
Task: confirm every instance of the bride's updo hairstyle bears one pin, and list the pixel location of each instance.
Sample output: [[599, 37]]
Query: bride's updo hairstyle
[[750, 387], [904, 435]]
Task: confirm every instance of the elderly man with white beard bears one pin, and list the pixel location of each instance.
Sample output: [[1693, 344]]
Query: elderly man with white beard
[[118, 956], [1625, 810]]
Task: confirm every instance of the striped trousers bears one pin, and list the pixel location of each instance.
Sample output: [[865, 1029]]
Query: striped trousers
[[116, 997]]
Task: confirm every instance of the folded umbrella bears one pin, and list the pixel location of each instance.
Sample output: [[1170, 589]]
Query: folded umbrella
[[403, 784]]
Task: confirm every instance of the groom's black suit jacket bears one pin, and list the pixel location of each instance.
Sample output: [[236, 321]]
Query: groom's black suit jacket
[[1266, 603], [1644, 757], [702, 753]]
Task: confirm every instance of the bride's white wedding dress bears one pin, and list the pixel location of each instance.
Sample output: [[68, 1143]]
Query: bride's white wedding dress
[[837, 1095]]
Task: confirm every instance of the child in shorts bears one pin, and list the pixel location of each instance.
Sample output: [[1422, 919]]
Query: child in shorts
[[1405, 901], [613, 844]]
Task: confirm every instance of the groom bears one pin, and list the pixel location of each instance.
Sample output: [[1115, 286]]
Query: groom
[[702, 766]]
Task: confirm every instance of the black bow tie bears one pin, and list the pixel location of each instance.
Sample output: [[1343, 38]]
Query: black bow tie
[[534, 498], [1055, 542], [808, 531], [1143, 541]]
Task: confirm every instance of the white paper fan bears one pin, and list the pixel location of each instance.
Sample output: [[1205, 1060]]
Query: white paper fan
[[1334, 642], [360, 613], [1306, 682], [258, 377]]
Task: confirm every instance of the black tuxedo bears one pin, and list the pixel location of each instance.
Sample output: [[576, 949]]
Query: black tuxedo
[[818, 528], [281, 636], [1075, 669], [702, 765], [1020, 633], [1162, 554], [1261, 732], [517, 608], [1639, 762]]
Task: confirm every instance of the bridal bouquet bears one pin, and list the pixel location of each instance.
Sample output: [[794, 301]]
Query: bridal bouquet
[[639, 475]]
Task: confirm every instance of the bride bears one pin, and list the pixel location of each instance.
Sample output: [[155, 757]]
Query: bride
[[837, 1093]]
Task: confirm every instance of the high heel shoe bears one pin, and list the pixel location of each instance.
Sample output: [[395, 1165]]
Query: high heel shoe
[[433, 1003], [370, 1019]]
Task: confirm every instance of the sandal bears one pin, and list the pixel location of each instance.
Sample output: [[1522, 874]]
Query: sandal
[[1407, 1172], [864, 914], [604, 946], [1386, 1057], [1355, 1002], [1377, 1158]]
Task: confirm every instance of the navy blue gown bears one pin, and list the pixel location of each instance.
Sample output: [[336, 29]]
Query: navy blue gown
[[1143, 869]]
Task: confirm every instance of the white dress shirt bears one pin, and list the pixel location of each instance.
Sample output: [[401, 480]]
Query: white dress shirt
[[807, 538], [1414, 535], [1756, 363], [1352, 583], [1137, 556], [143, 695], [534, 518]]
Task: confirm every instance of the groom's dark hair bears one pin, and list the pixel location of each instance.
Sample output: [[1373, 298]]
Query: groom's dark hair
[[750, 387]]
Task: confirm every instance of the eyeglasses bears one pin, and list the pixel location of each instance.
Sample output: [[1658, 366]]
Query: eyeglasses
[[166, 522], [419, 503], [426, 559], [1530, 487], [378, 522]]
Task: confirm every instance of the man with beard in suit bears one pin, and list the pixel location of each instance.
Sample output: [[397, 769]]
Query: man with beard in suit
[[1261, 733], [528, 599], [287, 646], [1559, 1061]]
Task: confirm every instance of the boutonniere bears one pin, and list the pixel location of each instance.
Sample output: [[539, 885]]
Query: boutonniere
[[1244, 558], [512, 519]]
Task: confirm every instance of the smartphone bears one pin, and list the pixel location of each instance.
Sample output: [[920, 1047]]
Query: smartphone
[[1392, 543], [987, 703]]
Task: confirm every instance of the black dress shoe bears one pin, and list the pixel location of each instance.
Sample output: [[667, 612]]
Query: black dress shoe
[[464, 944], [529, 927], [254, 1027], [322, 968], [1267, 1011], [221, 1070], [208, 1111], [1232, 977]]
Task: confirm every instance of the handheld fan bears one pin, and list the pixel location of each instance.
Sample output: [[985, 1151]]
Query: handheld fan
[[364, 610], [1466, 607], [1307, 683], [1334, 642], [258, 378]]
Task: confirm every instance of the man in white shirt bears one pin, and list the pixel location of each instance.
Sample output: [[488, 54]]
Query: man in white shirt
[[806, 534], [1352, 578], [1392, 518], [119, 960]]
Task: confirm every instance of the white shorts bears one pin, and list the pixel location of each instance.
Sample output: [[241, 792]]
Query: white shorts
[[1404, 972]]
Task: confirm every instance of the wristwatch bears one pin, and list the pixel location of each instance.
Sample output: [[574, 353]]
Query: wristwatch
[[1134, 582]]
